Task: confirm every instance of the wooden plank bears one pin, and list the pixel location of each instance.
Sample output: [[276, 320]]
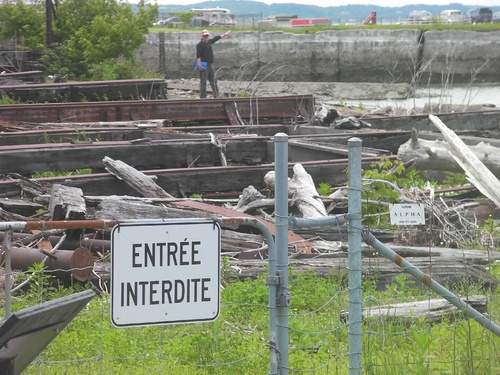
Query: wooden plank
[[69, 135], [198, 180], [28, 159]]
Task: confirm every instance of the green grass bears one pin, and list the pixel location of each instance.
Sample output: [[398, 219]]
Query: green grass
[[236, 343], [303, 30]]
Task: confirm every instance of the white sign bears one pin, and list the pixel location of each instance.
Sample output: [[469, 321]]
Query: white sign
[[407, 214], [165, 272]]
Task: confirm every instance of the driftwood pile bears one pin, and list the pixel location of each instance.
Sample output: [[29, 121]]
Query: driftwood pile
[[321, 249]]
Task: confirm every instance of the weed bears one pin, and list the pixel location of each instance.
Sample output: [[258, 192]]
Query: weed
[[61, 173], [243, 94], [324, 189]]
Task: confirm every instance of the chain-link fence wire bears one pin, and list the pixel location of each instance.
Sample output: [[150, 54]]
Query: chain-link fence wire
[[399, 336], [237, 342]]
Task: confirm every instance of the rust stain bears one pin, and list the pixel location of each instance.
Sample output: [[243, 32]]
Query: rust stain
[[398, 259], [300, 243]]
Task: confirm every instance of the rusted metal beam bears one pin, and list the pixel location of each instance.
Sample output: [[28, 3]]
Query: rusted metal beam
[[79, 262], [286, 109], [89, 91], [299, 243]]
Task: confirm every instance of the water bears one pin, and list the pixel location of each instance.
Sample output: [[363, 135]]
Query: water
[[472, 96]]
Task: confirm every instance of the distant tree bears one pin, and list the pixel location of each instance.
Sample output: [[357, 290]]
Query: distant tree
[[102, 32], [98, 38], [23, 23]]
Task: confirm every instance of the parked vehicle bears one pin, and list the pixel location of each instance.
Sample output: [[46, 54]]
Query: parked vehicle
[[166, 21], [496, 17], [451, 16], [480, 15], [212, 17], [418, 17]]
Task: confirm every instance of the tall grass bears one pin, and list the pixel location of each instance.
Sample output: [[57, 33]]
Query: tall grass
[[237, 342]]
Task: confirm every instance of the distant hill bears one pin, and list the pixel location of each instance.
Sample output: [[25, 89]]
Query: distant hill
[[250, 7]]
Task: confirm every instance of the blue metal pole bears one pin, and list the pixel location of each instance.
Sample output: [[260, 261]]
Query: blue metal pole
[[272, 282], [355, 271], [7, 245], [430, 283], [281, 234]]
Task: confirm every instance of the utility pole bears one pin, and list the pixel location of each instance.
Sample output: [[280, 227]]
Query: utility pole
[[50, 15]]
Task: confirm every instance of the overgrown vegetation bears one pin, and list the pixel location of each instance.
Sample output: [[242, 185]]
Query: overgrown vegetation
[[236, 343], [96, 39], [62, 173]]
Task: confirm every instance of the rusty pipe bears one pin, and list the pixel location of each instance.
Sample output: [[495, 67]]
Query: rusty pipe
[[79, 263]]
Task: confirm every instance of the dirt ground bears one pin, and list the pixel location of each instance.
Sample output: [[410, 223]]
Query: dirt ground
[[322, 90]]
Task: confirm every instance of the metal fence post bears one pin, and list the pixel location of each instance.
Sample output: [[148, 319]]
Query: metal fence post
[[7, 243], [355, 277], [281, 225]]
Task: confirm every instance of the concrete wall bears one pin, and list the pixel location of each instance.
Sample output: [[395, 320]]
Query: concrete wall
[[335, 56]]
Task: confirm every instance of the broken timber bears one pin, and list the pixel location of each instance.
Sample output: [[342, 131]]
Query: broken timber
[[433, 310], [435, 155], [139, 180], [90, 91]]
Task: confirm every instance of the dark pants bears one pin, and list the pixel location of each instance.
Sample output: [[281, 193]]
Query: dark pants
[[208, 74]]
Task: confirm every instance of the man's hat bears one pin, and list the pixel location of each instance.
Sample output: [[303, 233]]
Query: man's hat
[[205, 32]]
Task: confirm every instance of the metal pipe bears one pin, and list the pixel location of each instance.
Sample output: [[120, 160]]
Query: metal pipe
[[281, 233], [429, 282], [79, 262], [7, 242], [355, 269], [297, 222], [272, 282], [64, 224]]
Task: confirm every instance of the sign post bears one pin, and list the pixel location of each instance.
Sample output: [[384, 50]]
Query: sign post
[[165, 272]]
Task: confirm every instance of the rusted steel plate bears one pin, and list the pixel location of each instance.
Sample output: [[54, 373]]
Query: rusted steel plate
[[91, 91], [79, 263], [252, 110], [299, 243]]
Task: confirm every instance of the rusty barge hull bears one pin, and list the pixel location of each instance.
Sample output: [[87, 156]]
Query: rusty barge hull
[[234, 111], [149, 150], [91, 91], [187, 181]]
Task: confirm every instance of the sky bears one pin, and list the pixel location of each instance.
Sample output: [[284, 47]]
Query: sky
[[388, 3]]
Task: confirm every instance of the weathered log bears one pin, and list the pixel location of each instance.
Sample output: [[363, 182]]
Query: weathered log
[[302, 190], [433, 310], [221, 147], [474, 168], [435, 155], [304, 195], [139, 181], [450, 272], [251, 199], [116, 208], [67, 203], [28, 186], [20, 207]]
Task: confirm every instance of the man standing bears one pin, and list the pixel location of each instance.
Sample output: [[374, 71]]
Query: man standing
[[205, 62]]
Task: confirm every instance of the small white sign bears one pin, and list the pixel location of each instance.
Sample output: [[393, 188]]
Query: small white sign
[[407, 214], [165, 272]]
